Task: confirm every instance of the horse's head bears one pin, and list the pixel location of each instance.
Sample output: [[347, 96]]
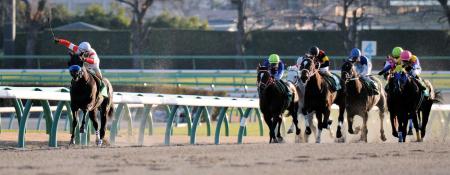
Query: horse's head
[[264, 79], [307, 70], [293, 74], [348, 71], [75, 66]]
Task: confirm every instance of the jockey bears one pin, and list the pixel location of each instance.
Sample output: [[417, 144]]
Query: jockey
[[88, 55], [320, 57], [363, 67], [411, 64], [392, 60], [275, 65]]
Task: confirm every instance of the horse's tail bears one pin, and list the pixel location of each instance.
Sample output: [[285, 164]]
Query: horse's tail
[[110, 106], [437, 97]]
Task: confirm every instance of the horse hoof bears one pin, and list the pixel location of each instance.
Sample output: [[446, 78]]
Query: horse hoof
[[329, 124], [99, 142], [72, 142], [308, 131], [338, 134], [395, 134], [280, 140], [383, 138], [350, 130], [410, 132], [340, 140], [290, 131]]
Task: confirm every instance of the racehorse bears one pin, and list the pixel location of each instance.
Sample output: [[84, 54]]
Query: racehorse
[[319, 97], [85, 95], [273, 101], [406, 101], [360, 102], [403, 100]]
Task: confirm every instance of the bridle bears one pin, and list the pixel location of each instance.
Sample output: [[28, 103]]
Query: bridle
[[349, 74], [309, 72], [270, 81]]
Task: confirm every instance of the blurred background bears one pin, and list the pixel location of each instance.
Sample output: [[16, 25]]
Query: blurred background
[[225, 39]]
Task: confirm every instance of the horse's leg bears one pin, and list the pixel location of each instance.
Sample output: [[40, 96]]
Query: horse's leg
[[381, 114], [426, 109], [394, 122], [320, 124], [293, 110], [340, 121], [364, 127], [83, 121], [74, 125], [415, 121], [269, 122], [308, 121], [403, 126], [279, 123], [103, 121], [93, 117], [350, 117]]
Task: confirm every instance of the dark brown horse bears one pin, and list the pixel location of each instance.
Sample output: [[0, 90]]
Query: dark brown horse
[[359, 102], [84, 95], [403, 100], [319, 97], [273, 102], [406, 101]]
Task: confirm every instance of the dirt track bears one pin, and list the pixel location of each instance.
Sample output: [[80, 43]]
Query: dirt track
[[261, 158]]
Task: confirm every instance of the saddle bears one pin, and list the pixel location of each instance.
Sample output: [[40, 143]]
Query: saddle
[[371, 86], [283, 86], [333, 80]]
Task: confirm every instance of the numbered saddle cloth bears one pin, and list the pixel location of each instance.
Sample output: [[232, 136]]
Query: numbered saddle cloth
[[101, 88]]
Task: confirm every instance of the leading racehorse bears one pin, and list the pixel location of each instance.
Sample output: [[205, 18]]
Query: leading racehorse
[[273, 101], [85, 95]]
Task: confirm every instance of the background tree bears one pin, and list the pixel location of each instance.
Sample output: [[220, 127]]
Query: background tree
[[139, 31], [114, 19], [446, 7], [352, 14], [34, 18], [166, 20]]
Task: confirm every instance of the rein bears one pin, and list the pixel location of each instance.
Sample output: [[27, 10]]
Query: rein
[[266, 84]]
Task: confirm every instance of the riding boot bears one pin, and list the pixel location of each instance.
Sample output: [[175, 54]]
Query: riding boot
[[100, 78], [422, 86]]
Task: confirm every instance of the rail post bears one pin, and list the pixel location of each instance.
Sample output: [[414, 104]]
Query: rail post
[[243, 125], [169, 131], [23, 124], [53, 142], [222, 115]]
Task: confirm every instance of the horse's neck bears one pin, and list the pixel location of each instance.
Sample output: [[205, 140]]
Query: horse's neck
[[318, 79], [354, 87]]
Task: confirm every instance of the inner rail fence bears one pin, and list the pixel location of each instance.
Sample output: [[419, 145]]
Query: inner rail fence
[[194, 108]]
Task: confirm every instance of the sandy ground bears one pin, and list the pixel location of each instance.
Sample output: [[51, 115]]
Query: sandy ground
[[254, 156], [261, 158]]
